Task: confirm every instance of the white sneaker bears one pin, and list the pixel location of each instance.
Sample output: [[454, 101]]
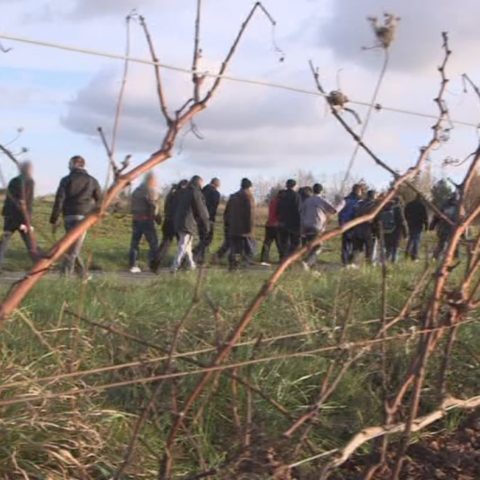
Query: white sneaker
[[135, 270], [306, 266]]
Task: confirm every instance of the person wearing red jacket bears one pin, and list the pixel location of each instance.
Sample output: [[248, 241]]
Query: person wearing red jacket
[[271, 229]]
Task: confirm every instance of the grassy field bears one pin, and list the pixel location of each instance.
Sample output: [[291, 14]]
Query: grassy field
[[69, 434]]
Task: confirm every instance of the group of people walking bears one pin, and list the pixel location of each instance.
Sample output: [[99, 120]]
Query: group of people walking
[[380, 237], [296, 216]]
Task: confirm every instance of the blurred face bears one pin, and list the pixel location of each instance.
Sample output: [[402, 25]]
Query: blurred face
[[152, 182], [27, 170], [216, 184], [200, 182]]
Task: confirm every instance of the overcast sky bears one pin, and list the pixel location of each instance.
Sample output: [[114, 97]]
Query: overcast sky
[[60, 98]]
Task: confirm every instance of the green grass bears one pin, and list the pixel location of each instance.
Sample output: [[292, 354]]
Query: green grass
[[47, 439], [85, 436]]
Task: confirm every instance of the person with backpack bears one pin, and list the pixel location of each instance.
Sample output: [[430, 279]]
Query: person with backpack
[[17, 212], [271, 229], [240, 218], [315, 212], [212, 200], [346, 214], [77, 195], [145, 216], [417, 219], [289, 235], [392, 227], [191, 214], [365, 234], [443, 228]]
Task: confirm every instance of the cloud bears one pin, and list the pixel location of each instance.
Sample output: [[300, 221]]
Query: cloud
[[85, 9], [241, 119], [417, 45]]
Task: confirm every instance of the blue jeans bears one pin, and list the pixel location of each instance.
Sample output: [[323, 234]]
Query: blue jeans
[[140, 229], [413, 245]]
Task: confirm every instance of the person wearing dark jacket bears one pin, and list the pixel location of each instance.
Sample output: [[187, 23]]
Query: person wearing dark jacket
[[346, 215], [393, 226], [191, 214], [289, 224], [240, 218], [417, 219], [144, 217], [17, 211], [78, 195], [365, 234], [212, 200], [168, 229], [444, 228]]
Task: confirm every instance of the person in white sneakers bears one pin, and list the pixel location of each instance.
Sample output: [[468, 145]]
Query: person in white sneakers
[[144, 218], [191, 215]]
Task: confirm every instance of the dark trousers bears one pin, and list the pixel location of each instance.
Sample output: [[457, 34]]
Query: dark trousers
[[241, 248], [140, 229], [392, 242], [413, 245], [271, 236], [168, 236], [289, 241], [225, 247], [348, 248], [205, 240], [7, 235], [365, 244]]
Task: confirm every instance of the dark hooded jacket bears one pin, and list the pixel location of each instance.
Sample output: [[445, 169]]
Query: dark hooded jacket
[[191, 212], [19, 198], [289, 210], [78, 194], [416, 216], [212, 200], [240, 214]]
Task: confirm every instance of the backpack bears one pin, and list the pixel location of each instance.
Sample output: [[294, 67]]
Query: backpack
[[387, 220]]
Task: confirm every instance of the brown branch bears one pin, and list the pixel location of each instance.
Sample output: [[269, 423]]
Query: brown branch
[[233, 48], [158, 76], [420, 423]]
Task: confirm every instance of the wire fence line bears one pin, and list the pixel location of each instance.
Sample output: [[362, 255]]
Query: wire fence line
[[363, 344], [230, 78]]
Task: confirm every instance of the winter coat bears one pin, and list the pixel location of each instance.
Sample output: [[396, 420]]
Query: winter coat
[[314, 214], [443, 228], [190, 212], [78, 194], [348, 211], [144, 203], [212, 200], [289, 211], [239, 214], [416, 216], [20, 193], [392, 220], [365, 230]]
